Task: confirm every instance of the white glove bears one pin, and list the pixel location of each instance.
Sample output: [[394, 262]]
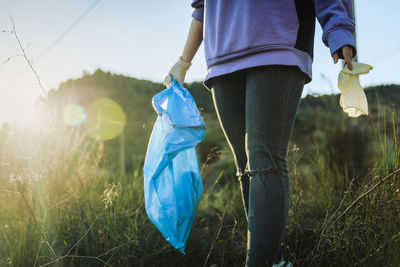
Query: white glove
[[353, 99], [178, 71]]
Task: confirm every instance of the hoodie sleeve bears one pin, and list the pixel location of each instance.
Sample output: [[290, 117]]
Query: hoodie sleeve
[[336, 20], [198, 12]]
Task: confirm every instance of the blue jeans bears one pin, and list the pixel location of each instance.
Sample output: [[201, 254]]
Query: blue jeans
[[256, 108]]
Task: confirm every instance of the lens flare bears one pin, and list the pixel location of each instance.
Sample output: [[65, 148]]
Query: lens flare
[[106, 119], [74, 114]]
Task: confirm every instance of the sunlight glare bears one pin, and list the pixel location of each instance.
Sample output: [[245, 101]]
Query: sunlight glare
[[74, 114], [105, 119]]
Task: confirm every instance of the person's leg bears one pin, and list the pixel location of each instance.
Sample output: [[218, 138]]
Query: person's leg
[[228, 93], [272, 97]]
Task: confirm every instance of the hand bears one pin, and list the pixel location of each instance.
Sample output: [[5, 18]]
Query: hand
[[347, 52], [178, 71]]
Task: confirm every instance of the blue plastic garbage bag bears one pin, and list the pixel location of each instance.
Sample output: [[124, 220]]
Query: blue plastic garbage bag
[[172, 182]]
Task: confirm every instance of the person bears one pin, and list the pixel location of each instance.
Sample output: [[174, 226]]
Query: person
[[259, 55]]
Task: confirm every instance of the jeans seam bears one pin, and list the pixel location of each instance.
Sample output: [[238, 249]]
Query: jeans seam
[[279, 146], [284, 111], [282, 208]]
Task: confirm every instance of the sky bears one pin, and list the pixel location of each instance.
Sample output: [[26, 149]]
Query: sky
[[143, 39]]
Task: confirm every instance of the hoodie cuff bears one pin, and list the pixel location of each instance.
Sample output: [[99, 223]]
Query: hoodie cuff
[[198, 14], [338, 38]]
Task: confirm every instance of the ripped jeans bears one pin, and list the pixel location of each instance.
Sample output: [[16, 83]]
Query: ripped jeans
[[256, 108]]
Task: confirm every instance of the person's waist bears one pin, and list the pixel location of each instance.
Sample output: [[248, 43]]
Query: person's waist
[[282, 49]]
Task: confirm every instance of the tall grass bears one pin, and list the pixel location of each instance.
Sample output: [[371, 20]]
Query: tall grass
[[60, 205], [348, 220]]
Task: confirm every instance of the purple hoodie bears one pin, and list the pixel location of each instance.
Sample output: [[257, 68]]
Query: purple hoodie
[[240, 34]]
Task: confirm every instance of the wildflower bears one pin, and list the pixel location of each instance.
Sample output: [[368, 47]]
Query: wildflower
[[295, 148], [36, 176], [15, 178], [110, 194]]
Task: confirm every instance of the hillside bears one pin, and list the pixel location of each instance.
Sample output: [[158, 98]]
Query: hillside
[[320, 122]]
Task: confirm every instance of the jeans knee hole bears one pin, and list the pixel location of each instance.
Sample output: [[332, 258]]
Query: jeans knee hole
[[251, 173]]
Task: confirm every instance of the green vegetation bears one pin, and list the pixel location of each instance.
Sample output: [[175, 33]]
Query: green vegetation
[[65, 202]]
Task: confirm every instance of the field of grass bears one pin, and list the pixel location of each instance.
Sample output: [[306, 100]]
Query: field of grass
[[62, 203]]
